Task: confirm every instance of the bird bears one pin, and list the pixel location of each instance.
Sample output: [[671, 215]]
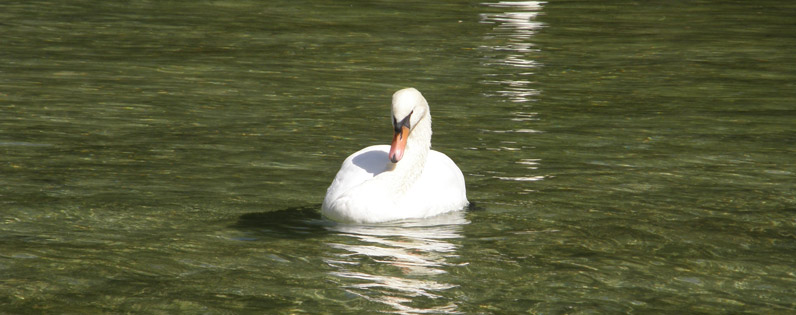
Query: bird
[[403, 180]]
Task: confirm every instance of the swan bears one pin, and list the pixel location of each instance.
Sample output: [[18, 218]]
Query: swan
[[404, 180]]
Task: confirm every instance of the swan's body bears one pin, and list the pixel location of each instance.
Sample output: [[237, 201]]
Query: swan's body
[[400, 181]]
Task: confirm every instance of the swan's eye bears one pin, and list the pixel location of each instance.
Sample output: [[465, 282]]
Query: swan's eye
[[403, 123]]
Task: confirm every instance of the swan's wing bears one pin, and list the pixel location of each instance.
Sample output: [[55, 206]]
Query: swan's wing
[[441, 187], [444, 171], [356, 169]]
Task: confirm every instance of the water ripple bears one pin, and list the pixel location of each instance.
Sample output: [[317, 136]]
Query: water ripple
[[515, 28], [509, 57], [398, 264]]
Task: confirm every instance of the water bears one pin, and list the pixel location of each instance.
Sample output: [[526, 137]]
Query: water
[[163, 157]]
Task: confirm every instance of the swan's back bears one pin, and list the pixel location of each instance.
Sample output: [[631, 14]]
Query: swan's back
[[357, 195], [439, 189]]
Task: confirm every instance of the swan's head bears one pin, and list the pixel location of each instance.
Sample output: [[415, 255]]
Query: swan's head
[[408, 108]]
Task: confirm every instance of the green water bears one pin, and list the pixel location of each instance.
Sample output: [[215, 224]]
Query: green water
[[171, 156]]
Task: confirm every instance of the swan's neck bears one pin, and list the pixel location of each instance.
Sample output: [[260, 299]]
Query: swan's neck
[[410, 167]]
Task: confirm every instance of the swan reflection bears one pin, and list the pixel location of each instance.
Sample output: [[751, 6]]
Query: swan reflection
[[396, 263]]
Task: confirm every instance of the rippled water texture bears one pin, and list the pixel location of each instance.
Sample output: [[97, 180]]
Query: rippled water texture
[[623, 157]]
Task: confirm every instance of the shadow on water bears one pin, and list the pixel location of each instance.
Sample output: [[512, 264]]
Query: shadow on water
[[289, 223], [307, 221]]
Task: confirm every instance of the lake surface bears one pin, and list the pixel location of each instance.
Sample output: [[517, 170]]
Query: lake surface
[[623, 157]]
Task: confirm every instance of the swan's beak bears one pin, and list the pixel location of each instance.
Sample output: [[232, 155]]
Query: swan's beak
[[398, 143]]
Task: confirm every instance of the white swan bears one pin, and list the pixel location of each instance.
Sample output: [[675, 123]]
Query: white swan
[[400, 181]]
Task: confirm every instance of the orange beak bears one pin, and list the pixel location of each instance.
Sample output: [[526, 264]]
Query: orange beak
[[398, 144]]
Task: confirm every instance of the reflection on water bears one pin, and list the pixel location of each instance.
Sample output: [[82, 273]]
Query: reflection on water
[[396, 263], [515, 28], [509, 59]]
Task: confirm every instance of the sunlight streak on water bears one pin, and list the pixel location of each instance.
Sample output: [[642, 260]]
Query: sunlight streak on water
[[510, 60], [403, 259], [518, 27]]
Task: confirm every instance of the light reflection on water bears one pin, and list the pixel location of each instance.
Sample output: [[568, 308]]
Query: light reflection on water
[[510, 62], [413, 252], [517, 27]]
